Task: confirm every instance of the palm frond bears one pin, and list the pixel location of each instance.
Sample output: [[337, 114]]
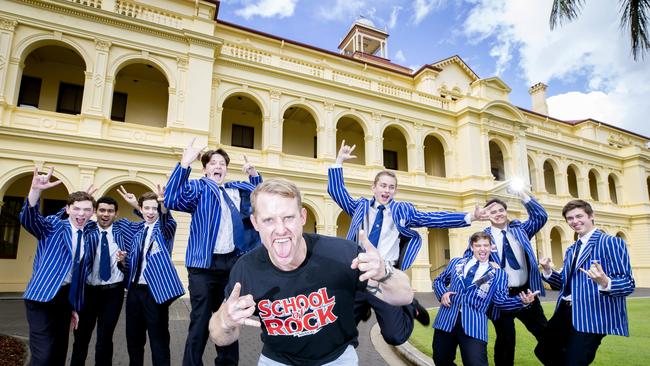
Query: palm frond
[[564, 10], [634, 16]]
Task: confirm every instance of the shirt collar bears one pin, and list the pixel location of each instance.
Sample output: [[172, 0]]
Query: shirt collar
[[109, 230], [585, 238]]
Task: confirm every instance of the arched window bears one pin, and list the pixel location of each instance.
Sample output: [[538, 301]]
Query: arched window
[[140, 95], [342, 225], [434, 157], [557, 254], [549, 177], [310, 224], [395, 157], [593, 185], [299, 132], [53, 80], [497, 166], [572, 180], [241, 122], [613, 193], [349, 129], [439, 254]]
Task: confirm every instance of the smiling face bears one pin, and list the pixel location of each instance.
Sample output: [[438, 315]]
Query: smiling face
[[498, 216], [580, 221], [279, 221], [384, 188], [106, 214], [80, 212], [481, 249], [216, 168], [149, 210]]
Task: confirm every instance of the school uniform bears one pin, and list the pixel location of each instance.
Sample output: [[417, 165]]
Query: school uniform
[[220, 232], [397, 243], [153, 284], [56, 287], [104, 295], [478, 286], [586, 312]]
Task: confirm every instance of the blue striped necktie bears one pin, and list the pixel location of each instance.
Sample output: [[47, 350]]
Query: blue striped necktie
[[76, 283], [376, 226], [469, 277], [508, 254], [237, 224], [104, 259]]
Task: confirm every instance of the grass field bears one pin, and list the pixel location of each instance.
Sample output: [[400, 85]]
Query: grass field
[[614, 350]]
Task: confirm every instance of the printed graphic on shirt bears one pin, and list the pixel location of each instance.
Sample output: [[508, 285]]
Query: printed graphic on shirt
[[299, 315]]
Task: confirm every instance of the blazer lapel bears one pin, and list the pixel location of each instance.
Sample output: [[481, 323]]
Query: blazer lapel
[[494, 254], [67, 235], [586, 252], [212, 185]]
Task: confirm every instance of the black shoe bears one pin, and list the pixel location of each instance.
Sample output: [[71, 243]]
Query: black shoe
[[421, 314]]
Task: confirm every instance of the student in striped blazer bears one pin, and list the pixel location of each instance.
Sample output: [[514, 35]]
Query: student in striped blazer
[[595, 280], [152, 281], [392, 233], [220, 232], [55, 292], [516, 256], [467, 287]]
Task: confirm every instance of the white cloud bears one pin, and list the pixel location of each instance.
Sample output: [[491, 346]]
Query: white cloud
[[399, 57], [592, 50], [393, 16], [343, 10], [268, 9], [422, 8]]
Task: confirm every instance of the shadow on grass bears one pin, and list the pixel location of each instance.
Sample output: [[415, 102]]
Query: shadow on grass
[[614, 350]]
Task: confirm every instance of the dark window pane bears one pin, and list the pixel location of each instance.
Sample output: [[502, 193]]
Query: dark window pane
[[390, 159], [118, 109], [30, 91], [10, 226], [242, 136], [70, 97]]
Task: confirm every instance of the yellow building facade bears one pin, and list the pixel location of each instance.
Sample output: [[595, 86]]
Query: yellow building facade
[[109, 92]]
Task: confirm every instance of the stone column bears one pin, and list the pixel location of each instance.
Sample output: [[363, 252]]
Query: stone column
[[7, 28]]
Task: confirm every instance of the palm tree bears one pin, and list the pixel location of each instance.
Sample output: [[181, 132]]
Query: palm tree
[[634, 16]]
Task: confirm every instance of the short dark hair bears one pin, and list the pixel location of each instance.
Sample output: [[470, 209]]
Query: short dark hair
[[80, 196], [496, 200], [385, 172], [577, 204], [107, 200], [207, 156], [480, 235], [146, 197]]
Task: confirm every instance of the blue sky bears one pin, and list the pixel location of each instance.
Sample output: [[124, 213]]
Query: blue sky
[[586, 64]]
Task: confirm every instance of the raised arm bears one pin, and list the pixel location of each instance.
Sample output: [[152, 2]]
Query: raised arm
[[167, 222], [253, 176], [182, 194], [30, 217], [537, 216], [390, 285]]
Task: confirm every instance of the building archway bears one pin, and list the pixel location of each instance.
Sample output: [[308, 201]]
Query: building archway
[[434, 157], [394, 149], [497, 162], [348, 128], [549, 177], [140, 94], [53, 79], [572, 180], [124, 209], [343, 222], [593, 184], [612, 183], [299, 133], [557, 254], [241, 122], [439, 252]]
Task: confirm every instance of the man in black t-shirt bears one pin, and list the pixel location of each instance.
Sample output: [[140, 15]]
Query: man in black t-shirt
[[302, 287]]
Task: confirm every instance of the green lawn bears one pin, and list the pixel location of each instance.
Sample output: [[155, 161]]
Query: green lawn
[[614, 350]]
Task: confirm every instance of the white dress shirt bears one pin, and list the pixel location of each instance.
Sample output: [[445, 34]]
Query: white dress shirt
[[516, 277], [116, 274], [73, 238], [147, 244], [225, 239], [388, 244], [480, 271]]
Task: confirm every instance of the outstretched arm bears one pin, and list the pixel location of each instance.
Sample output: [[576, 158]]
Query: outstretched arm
[[537, 216]]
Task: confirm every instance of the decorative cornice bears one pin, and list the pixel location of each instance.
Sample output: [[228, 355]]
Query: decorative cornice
[[8, 24], [102, 44]]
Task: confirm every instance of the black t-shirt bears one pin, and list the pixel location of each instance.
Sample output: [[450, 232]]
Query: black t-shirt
[[306, 314]]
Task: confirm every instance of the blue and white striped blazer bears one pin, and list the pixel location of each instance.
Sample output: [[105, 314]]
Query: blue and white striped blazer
[[54, 255], [160, 274], [200, 197], [474, 300], [594, 311], [404, 214]]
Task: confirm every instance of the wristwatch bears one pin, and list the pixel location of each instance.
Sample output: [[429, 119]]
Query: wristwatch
[[388, 266]]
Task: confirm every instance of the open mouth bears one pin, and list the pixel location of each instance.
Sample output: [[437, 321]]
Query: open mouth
[[282, 247], [80, 221]]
